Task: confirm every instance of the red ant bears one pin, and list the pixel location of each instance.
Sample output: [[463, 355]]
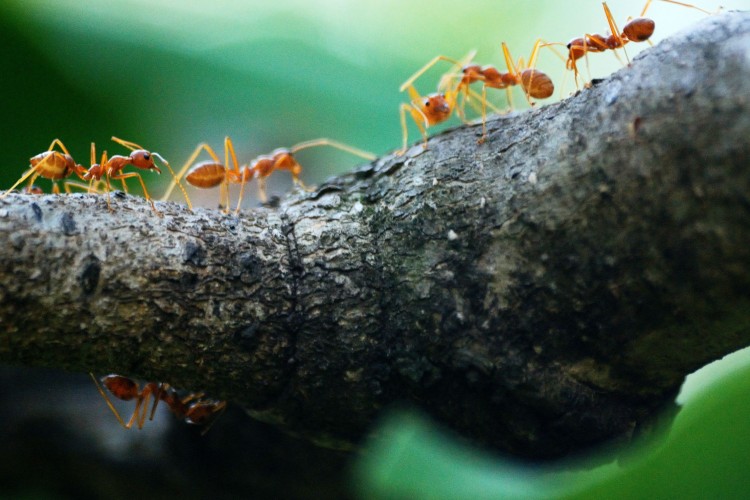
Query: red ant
[[534, 83], [636, 30], [431, 109], [209, 174], [194, 409], [111, 168], [53, 165]]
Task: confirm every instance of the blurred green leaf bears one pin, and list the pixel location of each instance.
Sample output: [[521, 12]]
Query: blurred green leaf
[[704, 454]]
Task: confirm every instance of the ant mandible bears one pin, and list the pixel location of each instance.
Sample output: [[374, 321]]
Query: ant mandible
[[53, 165], [111, 168], [636, 30], [209, 174], [193, 408]]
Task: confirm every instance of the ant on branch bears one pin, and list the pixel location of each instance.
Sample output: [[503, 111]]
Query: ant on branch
[[431, 109], [193, 408], [534, 83], [212, 173], [636, 30], [111, 168], [53, 165]]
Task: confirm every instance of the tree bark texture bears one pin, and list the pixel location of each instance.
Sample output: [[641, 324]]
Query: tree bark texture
[[541, 292]]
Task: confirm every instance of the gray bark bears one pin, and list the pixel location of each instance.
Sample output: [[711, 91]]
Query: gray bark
[[541, 292]]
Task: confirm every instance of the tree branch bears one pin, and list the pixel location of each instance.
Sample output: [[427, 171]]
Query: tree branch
[[541, 292]]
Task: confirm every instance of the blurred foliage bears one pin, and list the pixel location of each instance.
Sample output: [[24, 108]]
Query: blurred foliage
[[169, 74], [703, 453]]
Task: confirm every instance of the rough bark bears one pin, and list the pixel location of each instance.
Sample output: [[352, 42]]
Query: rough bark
[[541, 292]]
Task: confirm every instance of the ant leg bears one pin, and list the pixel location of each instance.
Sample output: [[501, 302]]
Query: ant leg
[[108, 401], [243, 179], [484, 115], [134, 418], [224, 189], [262, 189], [157, 398], [176, 178], [68, 185], [513, 70], [143, 186], [404, 130], [29, 173], [509, 61], [334, 144], [680, 3], [216, 414], [409, 81], [229, 152], [416, 115], [615, 31], [232, 171], [60, 144], [130, 145], [32, 180], [148, 392]]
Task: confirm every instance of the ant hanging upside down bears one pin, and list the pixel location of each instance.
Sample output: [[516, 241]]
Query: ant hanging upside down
[[193, 408]]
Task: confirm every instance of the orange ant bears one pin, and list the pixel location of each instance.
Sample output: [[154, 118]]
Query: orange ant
[[212, 173], [431, 109], [534, 83], [636, 30], [53, 165], [283, 159], [111, 168], [193, 408]]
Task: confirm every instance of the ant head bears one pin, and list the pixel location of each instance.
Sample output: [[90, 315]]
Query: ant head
[[140, 158], [202, 412], [436, 108]]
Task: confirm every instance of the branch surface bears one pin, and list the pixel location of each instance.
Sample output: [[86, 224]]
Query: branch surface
[[541, 292]]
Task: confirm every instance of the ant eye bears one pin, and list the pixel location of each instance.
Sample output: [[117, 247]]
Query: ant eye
[[426, 102], [146, 156]]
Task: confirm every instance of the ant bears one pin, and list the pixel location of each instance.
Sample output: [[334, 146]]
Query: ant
[[283, 159], [431, 109], [636, 30], [534, 83], [193, 408], [111, 168], [212, 173], [53, 165]]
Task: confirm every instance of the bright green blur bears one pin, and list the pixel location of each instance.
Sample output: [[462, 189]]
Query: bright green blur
[[703, 453]]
